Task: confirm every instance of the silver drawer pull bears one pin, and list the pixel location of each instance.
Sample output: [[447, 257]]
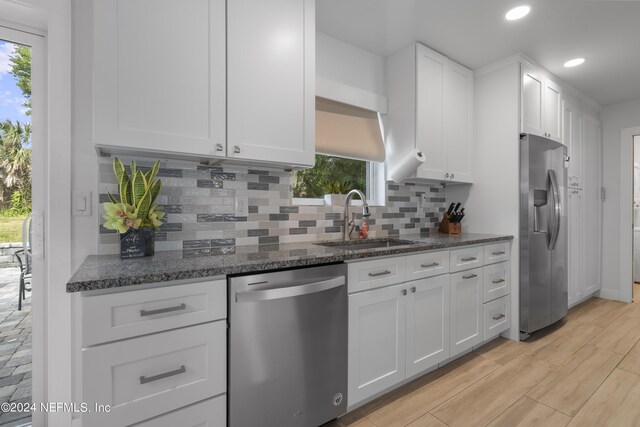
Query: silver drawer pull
[[413, 289], [382, 273], [403, 292], [470, 258], [433, 264], [498, 253], [498, 281], [498, 317], [469, 276], [144, 313], [181, 370]]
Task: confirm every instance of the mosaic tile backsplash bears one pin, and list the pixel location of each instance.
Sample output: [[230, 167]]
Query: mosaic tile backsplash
[[199, 202]]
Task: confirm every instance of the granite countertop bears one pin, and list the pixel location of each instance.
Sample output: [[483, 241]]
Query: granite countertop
[[109, 271]]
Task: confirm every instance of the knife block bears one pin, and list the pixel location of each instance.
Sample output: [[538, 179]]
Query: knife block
[[447, 227]]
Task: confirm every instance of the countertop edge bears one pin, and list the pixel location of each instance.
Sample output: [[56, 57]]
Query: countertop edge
[[90, 285]]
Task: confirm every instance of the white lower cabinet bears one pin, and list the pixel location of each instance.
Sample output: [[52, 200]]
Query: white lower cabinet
[[398, 331], [497, 317], [146, 376], [209, 413], [427, 324], [466, 289], [376, 341]]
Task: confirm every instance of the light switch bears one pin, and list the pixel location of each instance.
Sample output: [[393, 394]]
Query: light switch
[[81, 201]]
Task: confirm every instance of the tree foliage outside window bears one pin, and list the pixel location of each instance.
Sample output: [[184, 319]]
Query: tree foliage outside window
[[330, 173]]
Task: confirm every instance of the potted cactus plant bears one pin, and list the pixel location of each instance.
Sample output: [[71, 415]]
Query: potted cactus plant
[[134, 213]]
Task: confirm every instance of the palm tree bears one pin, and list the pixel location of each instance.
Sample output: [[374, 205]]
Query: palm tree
[[15, 158]]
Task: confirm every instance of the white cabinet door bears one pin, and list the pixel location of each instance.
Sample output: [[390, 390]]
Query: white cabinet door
[[157, 90], [430, 96], [552, 110], [376, 341], [458, 117], [427, 323], [271, 80], [576, 247], [466, 294], [592, 235], [572, 138], [532, 100]]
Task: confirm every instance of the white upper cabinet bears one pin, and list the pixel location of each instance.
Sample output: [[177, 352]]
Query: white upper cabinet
[[572, 137], [271, 80], [430, 108], [157, 90], [541, 104], [429, 122], [232, 79]]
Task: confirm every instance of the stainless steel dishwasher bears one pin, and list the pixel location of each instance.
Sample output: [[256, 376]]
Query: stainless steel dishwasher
[[288, 347]]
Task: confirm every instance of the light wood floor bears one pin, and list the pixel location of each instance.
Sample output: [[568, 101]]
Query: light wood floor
[[584, 371]]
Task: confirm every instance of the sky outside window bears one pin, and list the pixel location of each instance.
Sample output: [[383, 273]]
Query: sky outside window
[[11, 98]]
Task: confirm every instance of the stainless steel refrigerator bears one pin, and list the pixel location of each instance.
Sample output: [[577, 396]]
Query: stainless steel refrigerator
[[543, 233]]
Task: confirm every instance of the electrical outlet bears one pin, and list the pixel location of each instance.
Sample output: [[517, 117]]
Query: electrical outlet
[[423, 200], [242, 206]]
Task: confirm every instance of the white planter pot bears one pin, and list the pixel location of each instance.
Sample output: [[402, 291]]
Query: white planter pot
[[335, 199]]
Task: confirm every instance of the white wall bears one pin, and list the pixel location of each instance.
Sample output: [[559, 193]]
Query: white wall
[[614, 118], [492, 202], [348, 74]]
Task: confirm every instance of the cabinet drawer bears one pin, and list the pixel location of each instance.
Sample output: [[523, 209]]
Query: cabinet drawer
[[497, 253], [144, 377], [210, 413], [427, 264], [497, 316], [376, 273], [127, 314], [497, 280], [465, 258]]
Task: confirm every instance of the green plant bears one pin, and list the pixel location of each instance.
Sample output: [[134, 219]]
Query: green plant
[[337, 187], [137, 194], [312, 182]]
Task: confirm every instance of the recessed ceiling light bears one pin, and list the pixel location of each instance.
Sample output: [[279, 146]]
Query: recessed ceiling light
[[574, 62], [517, 13]]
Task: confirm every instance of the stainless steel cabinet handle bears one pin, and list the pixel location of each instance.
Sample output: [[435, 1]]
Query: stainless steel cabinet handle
[[498, 317], [451, 176], [404, 292], [144, 313], [236, 149], [498, 253], [181, 370], [470, 258], [288, 292], [446, 175], [413, 289], [219, 147], [433, 264], [469, 276], [498, 281], [382, 273]]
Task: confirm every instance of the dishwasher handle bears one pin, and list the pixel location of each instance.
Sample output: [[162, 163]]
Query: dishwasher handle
[[290, 291]]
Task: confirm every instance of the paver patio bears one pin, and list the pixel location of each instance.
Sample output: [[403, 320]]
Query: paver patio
[[15, 348]]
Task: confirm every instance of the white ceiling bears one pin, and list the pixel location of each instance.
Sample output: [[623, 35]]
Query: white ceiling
[[475, 33]]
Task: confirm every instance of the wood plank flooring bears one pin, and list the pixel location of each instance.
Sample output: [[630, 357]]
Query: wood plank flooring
[[583, 371]]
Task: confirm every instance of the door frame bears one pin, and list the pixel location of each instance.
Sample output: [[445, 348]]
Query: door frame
[[52, 20], [626, 212], [38, 200]]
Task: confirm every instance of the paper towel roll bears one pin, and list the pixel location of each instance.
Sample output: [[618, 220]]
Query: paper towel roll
[[407, 166]]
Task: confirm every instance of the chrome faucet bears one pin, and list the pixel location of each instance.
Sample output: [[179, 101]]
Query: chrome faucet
[[349, 225]]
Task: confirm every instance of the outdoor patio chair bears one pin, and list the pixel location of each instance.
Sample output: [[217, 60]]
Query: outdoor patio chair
[[24, 261]]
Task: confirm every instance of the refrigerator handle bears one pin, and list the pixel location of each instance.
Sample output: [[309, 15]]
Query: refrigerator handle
[[556, 209]]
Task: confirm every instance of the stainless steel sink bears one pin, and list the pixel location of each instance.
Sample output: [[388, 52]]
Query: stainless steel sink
[[355, 245]]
